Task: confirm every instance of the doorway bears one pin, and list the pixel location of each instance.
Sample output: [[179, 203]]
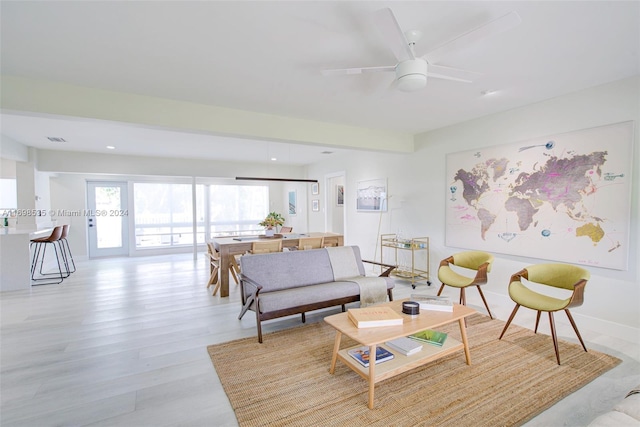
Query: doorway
[[107, 219]]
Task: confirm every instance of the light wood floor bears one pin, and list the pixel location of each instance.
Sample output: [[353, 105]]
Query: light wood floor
[[122, 342]]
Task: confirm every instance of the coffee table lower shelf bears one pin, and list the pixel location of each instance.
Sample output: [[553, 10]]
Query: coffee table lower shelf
[[400, 363]]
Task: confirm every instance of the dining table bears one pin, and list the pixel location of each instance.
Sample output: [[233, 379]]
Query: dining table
[[231, 246]]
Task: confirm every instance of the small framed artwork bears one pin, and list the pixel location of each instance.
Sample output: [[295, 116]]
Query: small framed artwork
[[315, 188], [340, 195], [293, 203], [315, 205], [372, 195]]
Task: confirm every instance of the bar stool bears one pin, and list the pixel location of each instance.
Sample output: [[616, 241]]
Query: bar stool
[[66, 252], [41, 248]]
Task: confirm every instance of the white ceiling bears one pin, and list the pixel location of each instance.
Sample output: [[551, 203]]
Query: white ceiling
[[267, 56]]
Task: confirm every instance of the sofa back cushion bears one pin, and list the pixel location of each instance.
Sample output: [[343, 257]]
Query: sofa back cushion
[[284, 270]]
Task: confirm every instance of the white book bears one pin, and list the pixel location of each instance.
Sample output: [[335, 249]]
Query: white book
[[405, 346], [433, 302]]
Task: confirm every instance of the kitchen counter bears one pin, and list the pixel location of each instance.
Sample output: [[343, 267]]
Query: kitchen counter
[[15, 257]]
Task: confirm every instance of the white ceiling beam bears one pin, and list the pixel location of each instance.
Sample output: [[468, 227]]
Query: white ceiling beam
[[31, 96]]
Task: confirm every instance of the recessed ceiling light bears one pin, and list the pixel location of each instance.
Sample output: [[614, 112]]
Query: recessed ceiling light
[[273, 159], [111, 147], [488, 92], [326, 152], [56, 139]]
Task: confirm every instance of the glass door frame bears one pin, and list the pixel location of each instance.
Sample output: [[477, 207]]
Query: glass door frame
[[94, 215]]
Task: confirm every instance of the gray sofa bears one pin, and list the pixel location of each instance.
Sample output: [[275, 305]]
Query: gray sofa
[[285, 283]]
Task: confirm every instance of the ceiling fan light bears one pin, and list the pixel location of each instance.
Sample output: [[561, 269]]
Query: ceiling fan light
[[411, 75], [411, 82]]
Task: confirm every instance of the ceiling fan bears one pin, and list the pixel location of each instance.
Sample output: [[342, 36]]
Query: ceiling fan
[[412, 70]]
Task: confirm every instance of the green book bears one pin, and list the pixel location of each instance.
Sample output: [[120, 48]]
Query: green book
[[430, 336]]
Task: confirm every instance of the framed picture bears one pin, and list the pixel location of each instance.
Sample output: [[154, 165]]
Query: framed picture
[[559, 197], [339, 195], [315, 205], [372, 195], [293, 203], [315, 188]]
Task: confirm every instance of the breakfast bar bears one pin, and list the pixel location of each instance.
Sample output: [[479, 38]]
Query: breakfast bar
[[15, 258]]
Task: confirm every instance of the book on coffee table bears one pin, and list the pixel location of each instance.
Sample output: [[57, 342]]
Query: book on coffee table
[[404, 345], [433, 302], [374, 316], [430, 336], [361, 354]]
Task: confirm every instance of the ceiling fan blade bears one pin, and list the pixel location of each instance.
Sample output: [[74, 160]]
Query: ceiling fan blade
[[450, 73], [393, 35], [491, 28], [445, 77], [349, 71]]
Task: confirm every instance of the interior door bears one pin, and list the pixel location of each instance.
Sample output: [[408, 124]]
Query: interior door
[[107, 219]]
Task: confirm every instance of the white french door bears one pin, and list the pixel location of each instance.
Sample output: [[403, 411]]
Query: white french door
[[107, 219]]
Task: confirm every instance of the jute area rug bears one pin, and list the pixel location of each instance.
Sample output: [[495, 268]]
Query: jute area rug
[[286, 382]]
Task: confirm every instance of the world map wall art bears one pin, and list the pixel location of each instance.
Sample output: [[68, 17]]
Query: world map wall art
[[564, 198]]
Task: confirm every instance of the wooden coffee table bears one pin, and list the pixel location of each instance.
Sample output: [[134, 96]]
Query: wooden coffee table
[[373, 337]]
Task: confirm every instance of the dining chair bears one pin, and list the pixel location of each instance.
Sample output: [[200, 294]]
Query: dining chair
[[284, 230], [265, 247], [39, 252], [478, 264], [542, 277], [305, 243], [330, 242], [214, 267]]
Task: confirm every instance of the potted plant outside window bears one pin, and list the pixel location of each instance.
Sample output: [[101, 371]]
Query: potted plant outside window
[[271, 222]]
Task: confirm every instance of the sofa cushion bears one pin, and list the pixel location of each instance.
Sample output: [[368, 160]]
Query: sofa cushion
[[300, 296]]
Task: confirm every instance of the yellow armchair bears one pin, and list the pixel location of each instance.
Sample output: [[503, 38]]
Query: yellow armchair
[[478, 261], [564, 276]]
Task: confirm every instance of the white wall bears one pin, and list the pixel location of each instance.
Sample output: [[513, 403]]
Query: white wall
[[416, 204], [13, 150], [299, 221]]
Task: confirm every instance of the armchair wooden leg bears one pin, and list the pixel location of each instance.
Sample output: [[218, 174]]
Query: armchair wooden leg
[[575, 328], [484, 301], [553, 335], [513, 314], [344, 308], [535, 330], [304, 318], [463, 297], [440, 290]]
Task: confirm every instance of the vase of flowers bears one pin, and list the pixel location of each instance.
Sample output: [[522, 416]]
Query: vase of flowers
[[271, 222]]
